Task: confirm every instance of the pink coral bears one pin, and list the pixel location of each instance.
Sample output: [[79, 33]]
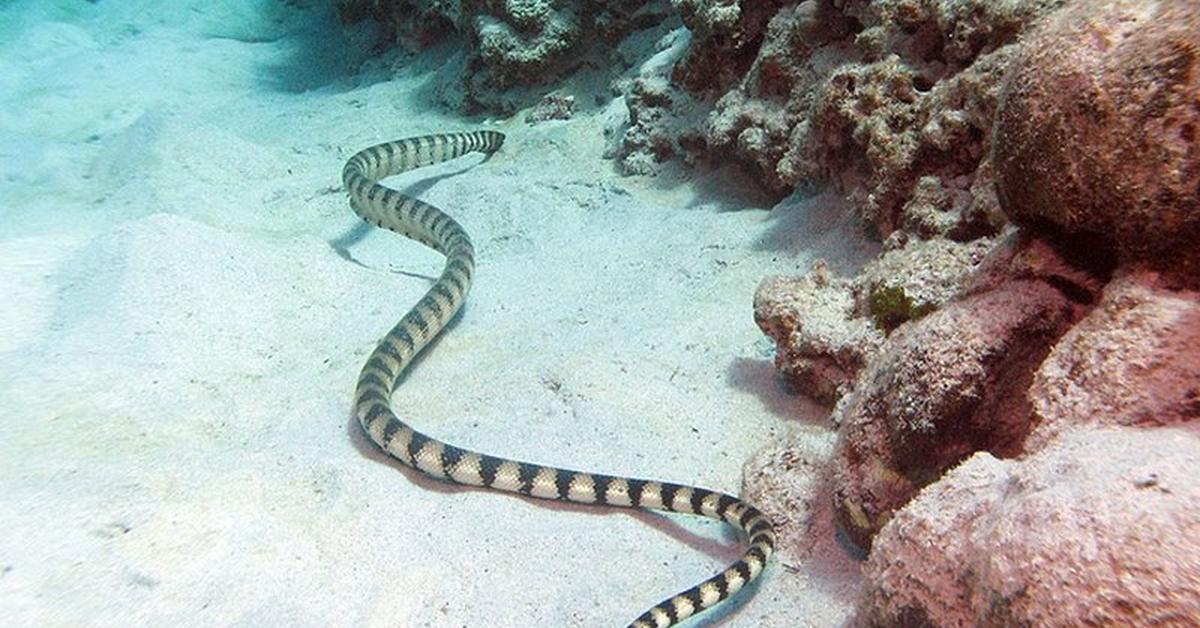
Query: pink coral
[[1134, 360], [940, 389], [1097, 130], [1100, 528]]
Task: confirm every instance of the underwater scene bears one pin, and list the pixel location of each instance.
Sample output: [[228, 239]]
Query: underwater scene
[[600, 313]]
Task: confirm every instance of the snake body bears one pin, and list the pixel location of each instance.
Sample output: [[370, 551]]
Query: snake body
[[386, 208]]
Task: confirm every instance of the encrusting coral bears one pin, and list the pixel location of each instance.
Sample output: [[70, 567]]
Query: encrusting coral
[[1039, 426], [1131, 361], [1099, 528], [1099, 127]]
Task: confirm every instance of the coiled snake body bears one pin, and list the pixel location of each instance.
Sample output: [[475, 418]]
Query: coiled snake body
[[389, 209]]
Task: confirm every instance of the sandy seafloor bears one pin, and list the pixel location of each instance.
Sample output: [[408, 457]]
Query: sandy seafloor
[[187, 300]]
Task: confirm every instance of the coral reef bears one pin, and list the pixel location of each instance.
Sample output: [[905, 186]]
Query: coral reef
[[508, 44], [1050, 539], [973, 359], [938, 390], [1134, 360], [1059, 361], [1097, 130], [825, 328], [890, 100], [726, 37]]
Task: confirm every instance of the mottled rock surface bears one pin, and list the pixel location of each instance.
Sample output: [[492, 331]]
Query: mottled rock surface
[[510, 46], [552, 107], [908, 282], [1098, 126], [1102, 527], [940, 389], [789, 481], [820, 342], [1088, 523], [826, 327], [890, 100], [1134, 360]]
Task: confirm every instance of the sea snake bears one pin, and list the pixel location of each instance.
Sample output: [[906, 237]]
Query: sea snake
[[386, 208]]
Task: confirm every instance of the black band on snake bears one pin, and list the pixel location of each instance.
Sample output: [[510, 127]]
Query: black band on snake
[[389, 209]]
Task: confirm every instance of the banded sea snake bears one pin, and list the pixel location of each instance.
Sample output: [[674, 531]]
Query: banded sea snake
[[386, 208]]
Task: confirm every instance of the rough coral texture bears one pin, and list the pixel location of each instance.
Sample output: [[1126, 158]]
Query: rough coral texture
[[1025, 254], [825, 327], [726, 37], [1088, 520], [1134, 360], [891, 100], [789, 481], [908, 282], [1098, 125], [1100, 528], [656, 127], [510, 45], [940, 389], [820, 344]]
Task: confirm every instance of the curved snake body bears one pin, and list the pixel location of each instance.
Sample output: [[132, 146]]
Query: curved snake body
[[389, 209]]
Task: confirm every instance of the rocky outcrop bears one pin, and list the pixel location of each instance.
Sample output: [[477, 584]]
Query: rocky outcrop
[[826, 327], [890, 100], [1133, 361], [1099, 528], [1098, 131], [509, 45], [940, 389], [1039, 425]]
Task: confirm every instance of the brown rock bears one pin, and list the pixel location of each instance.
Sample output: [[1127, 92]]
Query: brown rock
[[939, 389], [1097, 128]]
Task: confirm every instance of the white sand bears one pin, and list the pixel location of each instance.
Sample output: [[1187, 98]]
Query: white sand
[[188, 299]]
